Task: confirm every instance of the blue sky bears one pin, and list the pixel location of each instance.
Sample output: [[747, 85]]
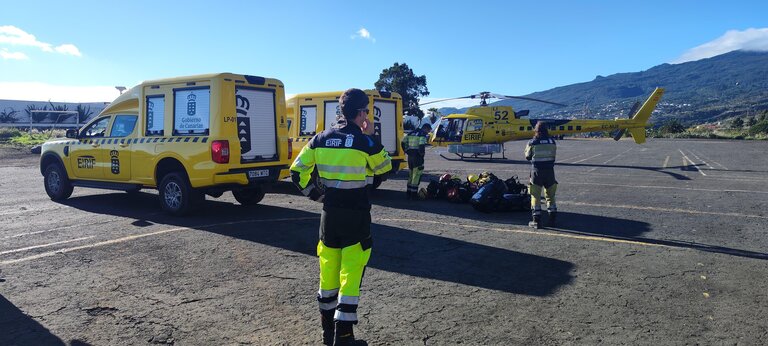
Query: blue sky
[[79, 50]]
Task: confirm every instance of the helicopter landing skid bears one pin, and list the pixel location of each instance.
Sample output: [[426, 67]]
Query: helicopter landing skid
[[462, 157], [476, 152]]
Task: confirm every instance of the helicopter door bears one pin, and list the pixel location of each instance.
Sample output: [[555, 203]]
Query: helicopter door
[[450, 130], [474, 130]]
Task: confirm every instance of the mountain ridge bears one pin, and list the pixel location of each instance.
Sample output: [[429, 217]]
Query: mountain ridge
[[706, 90]]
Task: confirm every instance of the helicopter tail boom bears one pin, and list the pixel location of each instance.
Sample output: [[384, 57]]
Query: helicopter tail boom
[[644, 113], [640, 118]]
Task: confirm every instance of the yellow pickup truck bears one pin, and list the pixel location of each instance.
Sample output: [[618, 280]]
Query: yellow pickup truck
[[186, 137], [311, 113]]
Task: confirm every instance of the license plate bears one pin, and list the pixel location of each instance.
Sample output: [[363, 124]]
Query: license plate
[[258, 173]]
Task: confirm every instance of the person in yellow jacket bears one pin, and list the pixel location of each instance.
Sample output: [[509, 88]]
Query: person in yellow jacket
[[414, 145], [346, 161], [541, 151]]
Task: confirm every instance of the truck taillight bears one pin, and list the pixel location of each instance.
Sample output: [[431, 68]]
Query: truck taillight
[[220, 151], [290, 148]]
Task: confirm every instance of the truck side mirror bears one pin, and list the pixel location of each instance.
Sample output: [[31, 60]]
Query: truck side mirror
[[71, 133]]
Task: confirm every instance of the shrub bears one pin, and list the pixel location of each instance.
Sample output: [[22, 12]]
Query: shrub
[[760, 127]]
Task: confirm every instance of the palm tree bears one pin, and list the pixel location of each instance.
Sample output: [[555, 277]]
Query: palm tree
[[8, 115]]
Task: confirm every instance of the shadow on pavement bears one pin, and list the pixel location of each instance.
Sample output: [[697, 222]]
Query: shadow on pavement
[[396, 249], [17, 328]]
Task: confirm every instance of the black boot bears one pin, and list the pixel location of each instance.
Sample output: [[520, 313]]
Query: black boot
[[345, 336], [552, 217], [326, 318]]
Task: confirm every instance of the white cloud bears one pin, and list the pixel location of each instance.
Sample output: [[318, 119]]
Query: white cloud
[[363, 33], [750, 39], [14, 36], [36, 91], [6, 55], [68, 49]]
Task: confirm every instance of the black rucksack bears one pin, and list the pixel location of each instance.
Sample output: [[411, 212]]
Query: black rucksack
[[489, 197]]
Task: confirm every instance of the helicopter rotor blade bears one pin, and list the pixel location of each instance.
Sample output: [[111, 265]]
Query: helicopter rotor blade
[[499, 96], [452, 98]]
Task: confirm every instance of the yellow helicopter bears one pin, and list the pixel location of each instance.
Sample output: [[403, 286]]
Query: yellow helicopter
[[482, 130]]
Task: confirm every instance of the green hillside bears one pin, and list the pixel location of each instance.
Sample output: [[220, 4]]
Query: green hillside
[[707, 90]]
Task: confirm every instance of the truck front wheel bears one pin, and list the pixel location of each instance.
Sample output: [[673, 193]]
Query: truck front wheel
[[57, 185]]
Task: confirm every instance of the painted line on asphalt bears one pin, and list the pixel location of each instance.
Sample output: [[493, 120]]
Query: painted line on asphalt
[[698, 158], [143, 235], [611, 159], [537, 232], [710, 160], [666, 187], [572, 157], [666, 161], [591, 157], [44, 245], [666, 210], [692, 163]]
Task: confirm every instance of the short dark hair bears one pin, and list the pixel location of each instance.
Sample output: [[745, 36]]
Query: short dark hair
[[540, 131], [351, 101]]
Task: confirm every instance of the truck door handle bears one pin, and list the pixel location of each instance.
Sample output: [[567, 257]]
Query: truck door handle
[[123, 145], [95, 145]]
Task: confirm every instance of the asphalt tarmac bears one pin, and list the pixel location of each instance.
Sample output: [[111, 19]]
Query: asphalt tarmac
[[661, 243]]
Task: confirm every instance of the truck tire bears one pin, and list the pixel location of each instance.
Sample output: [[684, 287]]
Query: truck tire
[[57, 185], [249, 196], [177, 197]]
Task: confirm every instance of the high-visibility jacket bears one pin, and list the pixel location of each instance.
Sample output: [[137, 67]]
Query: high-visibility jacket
[[346, 161], [541, 152], [415, 142]]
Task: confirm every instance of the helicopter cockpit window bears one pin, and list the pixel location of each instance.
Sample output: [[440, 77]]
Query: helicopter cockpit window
[[475, 125], [451, 130]]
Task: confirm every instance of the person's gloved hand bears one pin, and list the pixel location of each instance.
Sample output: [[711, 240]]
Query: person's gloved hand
[[316, 195]]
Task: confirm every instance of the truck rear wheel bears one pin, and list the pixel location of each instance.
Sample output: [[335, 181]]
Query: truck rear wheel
[[249, 196], [57, 185], [177, 197]]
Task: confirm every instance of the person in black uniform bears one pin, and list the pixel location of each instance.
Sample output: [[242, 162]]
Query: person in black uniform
[[541, 151], [347, 160]]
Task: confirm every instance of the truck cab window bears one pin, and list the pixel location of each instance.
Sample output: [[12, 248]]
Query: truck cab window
[[97, 129], [123, 125]]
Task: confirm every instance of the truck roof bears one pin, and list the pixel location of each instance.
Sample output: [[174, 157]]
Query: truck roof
[[337, 94], [129, 100]]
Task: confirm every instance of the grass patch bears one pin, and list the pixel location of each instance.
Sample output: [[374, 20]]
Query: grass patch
[[17, 137]]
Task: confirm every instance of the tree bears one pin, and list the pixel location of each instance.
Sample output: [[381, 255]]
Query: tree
[[737, 123], [760, 128], [400, 79], [763, 116], [8, 115], [83, 112], [58, 117], [751, 122], [36, 116], [672, 126]]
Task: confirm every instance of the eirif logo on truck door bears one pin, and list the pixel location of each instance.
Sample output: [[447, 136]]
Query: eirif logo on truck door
[[86, 162]]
